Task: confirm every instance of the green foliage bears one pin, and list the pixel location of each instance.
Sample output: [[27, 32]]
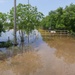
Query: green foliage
[[2, 22], [60, 19], [1, 28], [60, 26], [27, 17], [5, 44]]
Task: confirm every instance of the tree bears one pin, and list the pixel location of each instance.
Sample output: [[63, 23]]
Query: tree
[[61, 18], [27, 18], [70, 17], [2, 22]]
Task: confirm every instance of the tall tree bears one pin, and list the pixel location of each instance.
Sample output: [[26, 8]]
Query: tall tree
[[27, 18]]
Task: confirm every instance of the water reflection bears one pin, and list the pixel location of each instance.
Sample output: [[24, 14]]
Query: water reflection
[[65, 47], [22, 64], [55, 56]]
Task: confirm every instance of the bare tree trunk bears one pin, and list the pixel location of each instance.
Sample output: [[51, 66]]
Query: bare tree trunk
[[15, 39]]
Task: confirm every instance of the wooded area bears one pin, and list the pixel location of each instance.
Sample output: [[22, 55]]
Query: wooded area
[[61, 18], [28, 18]]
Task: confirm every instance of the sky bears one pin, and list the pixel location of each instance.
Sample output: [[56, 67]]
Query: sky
[[44, 6]]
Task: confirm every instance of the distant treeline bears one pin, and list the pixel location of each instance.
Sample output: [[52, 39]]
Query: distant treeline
[[60, 19]]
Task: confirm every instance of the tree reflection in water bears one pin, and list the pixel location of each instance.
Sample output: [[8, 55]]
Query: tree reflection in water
[[65, 47]]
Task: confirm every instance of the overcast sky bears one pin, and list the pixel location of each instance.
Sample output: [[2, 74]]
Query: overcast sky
[[43, 6]]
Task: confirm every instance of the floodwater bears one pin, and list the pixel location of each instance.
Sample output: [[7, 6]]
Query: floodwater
[[53, 56]]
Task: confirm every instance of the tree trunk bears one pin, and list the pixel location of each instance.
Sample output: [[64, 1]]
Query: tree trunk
[[28, 38], [15, 38]]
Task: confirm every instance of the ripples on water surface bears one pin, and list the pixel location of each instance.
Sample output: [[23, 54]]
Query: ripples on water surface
[[55, 56]]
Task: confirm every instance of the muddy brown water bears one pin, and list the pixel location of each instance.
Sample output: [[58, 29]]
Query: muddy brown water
[[54, 56]]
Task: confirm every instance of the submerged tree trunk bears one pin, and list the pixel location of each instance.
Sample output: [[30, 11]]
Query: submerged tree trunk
[[22, 37], [21, 33], [22, 40], [28, 38]]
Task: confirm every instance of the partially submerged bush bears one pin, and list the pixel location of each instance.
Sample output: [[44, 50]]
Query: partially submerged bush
[[5, 44]]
